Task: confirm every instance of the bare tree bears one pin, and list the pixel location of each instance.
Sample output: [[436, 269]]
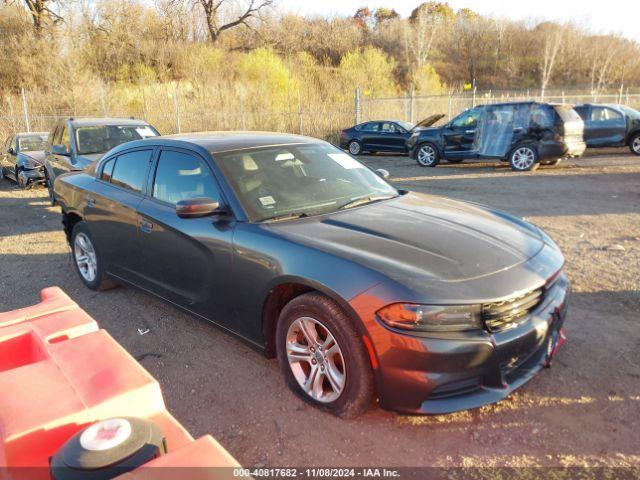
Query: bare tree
[[553, 39], [214, 11], [40, 11]]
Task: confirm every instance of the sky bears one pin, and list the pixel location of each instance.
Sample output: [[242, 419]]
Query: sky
[[599, 16]]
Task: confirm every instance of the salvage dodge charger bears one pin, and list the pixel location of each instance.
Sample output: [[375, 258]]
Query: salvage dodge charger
[[360, 290]]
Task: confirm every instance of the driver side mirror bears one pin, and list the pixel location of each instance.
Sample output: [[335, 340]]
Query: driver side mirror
[[59, 150], [382, 173], [199, 207], [11, 151]]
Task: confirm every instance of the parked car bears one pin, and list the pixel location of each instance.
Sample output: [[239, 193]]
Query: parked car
[[76, 143], [610, 126], [21, 158], [296, 247], [522, 133], [381, 135]]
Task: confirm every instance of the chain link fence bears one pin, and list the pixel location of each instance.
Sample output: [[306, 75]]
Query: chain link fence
[[176, 112]]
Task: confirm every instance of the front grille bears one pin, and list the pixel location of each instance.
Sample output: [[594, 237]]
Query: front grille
[[500, 315]]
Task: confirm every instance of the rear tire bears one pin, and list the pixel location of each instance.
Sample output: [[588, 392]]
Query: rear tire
[[427, 155], [86, 259], [634, 144], [524, 158], [344, 385], [355, 148]]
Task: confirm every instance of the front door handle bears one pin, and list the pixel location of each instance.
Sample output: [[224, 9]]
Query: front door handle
[[146, 226], [91, 202]]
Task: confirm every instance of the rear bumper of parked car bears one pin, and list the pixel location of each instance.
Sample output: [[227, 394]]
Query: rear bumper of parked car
[[458, 371]]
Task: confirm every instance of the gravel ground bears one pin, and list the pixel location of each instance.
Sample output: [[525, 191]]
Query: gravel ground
[[583, 411]]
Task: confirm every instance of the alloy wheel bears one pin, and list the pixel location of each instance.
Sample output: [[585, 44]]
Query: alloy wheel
[[85, 257], [354, 148], [426, 155], [316, 360], [636, 145], [523, 158]]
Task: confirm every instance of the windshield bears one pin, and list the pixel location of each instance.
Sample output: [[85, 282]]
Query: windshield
[[299, 180], [630, 111], [408, 126], [32, 142], [102, 138]]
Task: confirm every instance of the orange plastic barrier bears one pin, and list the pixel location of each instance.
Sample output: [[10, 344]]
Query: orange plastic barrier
[[59, 373]]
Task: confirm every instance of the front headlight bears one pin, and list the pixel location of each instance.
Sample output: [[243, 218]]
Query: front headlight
[[431, 318]]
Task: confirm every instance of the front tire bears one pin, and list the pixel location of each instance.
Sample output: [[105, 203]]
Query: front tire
[[355, 148], [427, 155], [19, 180], [524, 159], [49, 183], [322, 357], [634, 144], [86, 259]]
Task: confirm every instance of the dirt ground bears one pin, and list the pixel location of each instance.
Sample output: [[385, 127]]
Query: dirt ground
[[583, 411]]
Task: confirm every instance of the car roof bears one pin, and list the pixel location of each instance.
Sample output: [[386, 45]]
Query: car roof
[[217, 142], [610, 105], [29, 134], [94, 122]]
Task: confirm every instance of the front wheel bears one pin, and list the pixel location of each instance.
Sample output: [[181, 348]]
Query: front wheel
[[86, 259], [634, 144], [20, 180], [49, 183], [322, 357], [427, 155], [523, 159]]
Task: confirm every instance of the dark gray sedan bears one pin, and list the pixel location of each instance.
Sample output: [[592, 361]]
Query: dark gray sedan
[[359, 289]]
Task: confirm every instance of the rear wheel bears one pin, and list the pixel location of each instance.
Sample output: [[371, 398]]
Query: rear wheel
[[634, 144], [427, 155], [86, 259], [355, 148], [322, 357], [524, 158]]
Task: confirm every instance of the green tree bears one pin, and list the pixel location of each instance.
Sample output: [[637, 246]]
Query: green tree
[[371, 70]]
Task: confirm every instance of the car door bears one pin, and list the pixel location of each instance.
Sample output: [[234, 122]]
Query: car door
[[62, 163], [370, 136], [185, 260], [111, 211], [458, 136], [605, 127], [392, 137]]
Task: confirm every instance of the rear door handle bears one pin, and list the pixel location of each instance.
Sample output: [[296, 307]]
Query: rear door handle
[[146, 226]]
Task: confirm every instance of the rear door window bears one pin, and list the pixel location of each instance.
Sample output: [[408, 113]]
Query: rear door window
[[181, 176], [370, 127], [130, 170]]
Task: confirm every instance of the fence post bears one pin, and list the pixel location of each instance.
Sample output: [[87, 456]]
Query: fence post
[[176, 106], [621, 92], [24, 110], [300, 129], [473, 99], [450, 104], [356, 99]]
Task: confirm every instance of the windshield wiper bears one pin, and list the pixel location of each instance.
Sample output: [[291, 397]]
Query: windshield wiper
[[285, 216], [354, 202]]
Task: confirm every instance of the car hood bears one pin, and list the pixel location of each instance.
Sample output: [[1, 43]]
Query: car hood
[[421, 236], [36, 155], [427, 122]]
